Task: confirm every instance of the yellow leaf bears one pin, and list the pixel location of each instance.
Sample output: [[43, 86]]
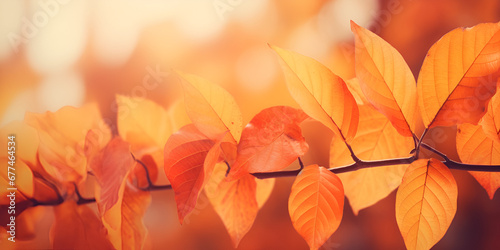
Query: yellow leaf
[[474, 147], [459, 76], [211, 108], [316, 204], [376, 139], [143, 123], [321, 94], [426, 203], [386, 79]]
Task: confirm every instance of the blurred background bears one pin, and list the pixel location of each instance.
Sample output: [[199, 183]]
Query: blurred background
[[55, 53]]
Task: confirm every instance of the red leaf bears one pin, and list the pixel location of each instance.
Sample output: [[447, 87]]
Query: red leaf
[[189, 159], [111, 167], [270, 142]]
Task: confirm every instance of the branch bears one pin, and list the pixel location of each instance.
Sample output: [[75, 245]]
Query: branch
[[82, 200], [151, 185], [353, 167], [462, 166]]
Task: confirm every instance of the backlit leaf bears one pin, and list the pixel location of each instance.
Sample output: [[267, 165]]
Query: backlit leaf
[[320, 93], [491, 120], [459, 76], [474, 147], [62, 138], [211, 108], [234, 201], [316, 204], [386, 79], [426, 203], [376, 139], [111, 167], [270, 142], [143, 123], [77, 227], [189, 160], [133, 231]]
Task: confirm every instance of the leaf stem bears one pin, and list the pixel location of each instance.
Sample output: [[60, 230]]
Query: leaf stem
[[301, 163]]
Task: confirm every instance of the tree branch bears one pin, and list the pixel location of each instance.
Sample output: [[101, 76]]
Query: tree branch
[[357, 165]]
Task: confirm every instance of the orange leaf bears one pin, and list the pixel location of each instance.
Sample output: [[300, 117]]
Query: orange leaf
[[426, 203], [62, 138], [474, 147], [234, 201], [77, 227], [211, 108], [270, 142], [320, 93], [386, 79], [189, 160], [376, 139], [26, 140], [316, 204], [111, 167], [459, 76], [133, 232], [491, 120]]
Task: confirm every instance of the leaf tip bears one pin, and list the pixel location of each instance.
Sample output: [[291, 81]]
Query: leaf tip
[[354, 26]]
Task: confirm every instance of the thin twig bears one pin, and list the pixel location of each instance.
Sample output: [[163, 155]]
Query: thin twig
[[82, 200], [301, 164]]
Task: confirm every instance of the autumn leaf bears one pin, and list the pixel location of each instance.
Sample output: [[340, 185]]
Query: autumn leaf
[[426, 203], [491, 120], [321, 94], [211, 108], [111, 167], [143, 123], [133, 232], [475, 147], [234, 201], [146, 126], [189, 160], [376, 139], [77, 227], [62, 138], [270, 142], [459, 76], [316, 204], [386, 80]]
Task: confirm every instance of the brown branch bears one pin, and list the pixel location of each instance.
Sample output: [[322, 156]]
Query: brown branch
[[359, 164]]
